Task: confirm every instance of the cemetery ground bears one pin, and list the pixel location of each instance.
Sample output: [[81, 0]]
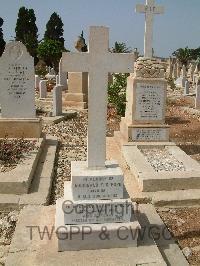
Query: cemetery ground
[[183, 223]]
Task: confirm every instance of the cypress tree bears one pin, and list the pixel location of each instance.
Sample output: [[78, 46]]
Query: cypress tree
[[2, 42], [27, 31], [54, 29]]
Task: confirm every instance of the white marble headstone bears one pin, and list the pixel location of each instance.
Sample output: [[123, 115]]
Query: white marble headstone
[[17, 80], [150, 102]]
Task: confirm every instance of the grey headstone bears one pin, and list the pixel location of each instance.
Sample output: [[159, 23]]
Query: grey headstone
[[43, 89], [57, 100], [187, 88]]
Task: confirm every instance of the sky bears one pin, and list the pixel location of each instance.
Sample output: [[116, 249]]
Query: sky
[[178, 27]]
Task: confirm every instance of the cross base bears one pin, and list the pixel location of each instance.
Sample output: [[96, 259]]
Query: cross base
[[94, 184], [20, 128], [95, 212], [91, 237]]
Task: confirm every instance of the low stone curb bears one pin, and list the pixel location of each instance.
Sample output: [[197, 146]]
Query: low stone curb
[[40, 188], [30, 249], [57, 119]]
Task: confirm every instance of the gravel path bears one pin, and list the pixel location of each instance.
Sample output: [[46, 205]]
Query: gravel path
[[184, 224], [72, 136], [8, 222]]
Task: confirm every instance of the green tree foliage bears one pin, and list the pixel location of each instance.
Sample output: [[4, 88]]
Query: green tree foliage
[[198, 61], [195, 53], [27, 31], [186, 54], [117, 93], [117, 90], [120, 48], [50, 51], [54, 29], [2, 42], [183, 55]]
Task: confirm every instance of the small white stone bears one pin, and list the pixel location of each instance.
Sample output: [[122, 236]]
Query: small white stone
[[187, 252]]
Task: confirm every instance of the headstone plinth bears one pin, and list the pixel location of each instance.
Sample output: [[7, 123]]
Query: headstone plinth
[[20, 128], [93, 203], [17, 93], [77, 95], [146, 102]]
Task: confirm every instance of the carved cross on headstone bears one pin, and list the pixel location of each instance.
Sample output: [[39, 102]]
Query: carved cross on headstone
[[150, 9], [98, 62]]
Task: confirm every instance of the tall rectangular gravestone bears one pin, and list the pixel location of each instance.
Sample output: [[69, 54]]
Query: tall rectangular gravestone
[[146, 102], [77, 95], [17, 93], [197, 99], [17, 82], [57, 100], [62, 77]]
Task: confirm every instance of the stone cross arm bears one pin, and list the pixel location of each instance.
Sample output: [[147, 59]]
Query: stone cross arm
[[121, 63], [75, 62], [84, 62], [152, 9], [159, 10]]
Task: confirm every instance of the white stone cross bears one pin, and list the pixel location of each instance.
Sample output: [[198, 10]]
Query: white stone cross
[[150, 9], [98, 62]]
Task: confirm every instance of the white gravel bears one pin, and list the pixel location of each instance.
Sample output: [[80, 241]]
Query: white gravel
[[162, 160]]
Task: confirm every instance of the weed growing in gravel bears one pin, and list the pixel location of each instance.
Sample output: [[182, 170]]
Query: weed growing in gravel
[[13, 150], [171, 83], [117, 93]]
